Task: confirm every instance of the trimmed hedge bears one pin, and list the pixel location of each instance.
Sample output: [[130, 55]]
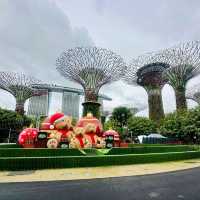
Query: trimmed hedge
[[150, 145], [37, 152], [30, 163], [9, 145], [150, 149]]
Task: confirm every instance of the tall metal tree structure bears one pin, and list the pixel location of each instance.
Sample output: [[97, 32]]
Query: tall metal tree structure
[[194, 93], [146, 71], [184, 61], [91, 67], [20, 86]]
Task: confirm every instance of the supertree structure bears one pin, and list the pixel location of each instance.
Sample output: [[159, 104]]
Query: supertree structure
[[193, 93], [20, 86], [184, 61], [146, 71], [91, 67]]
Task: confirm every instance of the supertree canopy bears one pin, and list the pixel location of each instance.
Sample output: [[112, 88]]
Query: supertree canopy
[[91, 67], [20, 86], [184, 61], [193, 93], [147, 71]]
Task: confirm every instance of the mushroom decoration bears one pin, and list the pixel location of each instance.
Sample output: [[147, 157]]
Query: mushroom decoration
[[112, 138], [28, 137]]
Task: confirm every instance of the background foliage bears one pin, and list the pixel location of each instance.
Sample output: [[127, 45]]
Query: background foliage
[[11, 120], [141, 126], [184, 125]]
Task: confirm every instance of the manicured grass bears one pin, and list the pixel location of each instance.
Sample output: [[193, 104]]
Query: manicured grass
[[150, 149], [141, 145], [20, 152], [27, 159], [31, 163]]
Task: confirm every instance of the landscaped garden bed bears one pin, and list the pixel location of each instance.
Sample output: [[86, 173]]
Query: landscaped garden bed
[[150, 149], [29, 159]]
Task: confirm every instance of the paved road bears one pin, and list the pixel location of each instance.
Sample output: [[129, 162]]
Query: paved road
[[176, 185]]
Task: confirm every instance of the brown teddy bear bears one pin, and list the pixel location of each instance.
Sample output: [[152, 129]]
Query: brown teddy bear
[[90, 132], [60, 129], [79, 139], [92, 129]]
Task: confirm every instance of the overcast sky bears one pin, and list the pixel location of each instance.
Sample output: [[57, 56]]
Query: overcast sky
[[34, 32]]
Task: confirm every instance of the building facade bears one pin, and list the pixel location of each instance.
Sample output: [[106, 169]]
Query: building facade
[[69, 101]]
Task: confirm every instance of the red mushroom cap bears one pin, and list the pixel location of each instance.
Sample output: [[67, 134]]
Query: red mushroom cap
[[28, 134], [113, 133]]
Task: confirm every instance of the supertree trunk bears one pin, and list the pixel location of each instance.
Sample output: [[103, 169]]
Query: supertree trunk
[[91, 107], [156, 111], [91, 104], [90, 95], [181, 102], [20, 107]]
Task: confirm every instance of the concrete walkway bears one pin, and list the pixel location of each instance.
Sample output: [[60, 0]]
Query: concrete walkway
[[96, 172]]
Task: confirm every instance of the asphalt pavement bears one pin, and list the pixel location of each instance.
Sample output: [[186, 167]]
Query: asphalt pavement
[[166, 186]]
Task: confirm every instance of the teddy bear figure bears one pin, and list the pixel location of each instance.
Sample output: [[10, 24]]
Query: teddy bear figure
[[64, 127], [93, 129], [79, 139], [90, 132], [59, 129]]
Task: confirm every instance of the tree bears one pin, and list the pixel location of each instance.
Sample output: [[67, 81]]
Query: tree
[[120, 116], [112, 124], [141, 126], [184, 125], [193, 93], [147, 71], [20, 86], [91, 67], [12, 120], [184, 64]]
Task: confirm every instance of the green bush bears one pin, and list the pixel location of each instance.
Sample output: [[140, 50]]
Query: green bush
[[149, 145], [20, 152], [119, 119], [10, 119], [184, 125], [150, 149], [30, 163], [141, 126]]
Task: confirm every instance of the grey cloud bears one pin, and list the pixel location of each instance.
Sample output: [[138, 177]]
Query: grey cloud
[[33, 33]]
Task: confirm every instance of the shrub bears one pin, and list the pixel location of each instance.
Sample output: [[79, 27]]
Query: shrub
[[10, 119], [150, 149], [184, 125], [28, 163], [141, 126], [20, 152]]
